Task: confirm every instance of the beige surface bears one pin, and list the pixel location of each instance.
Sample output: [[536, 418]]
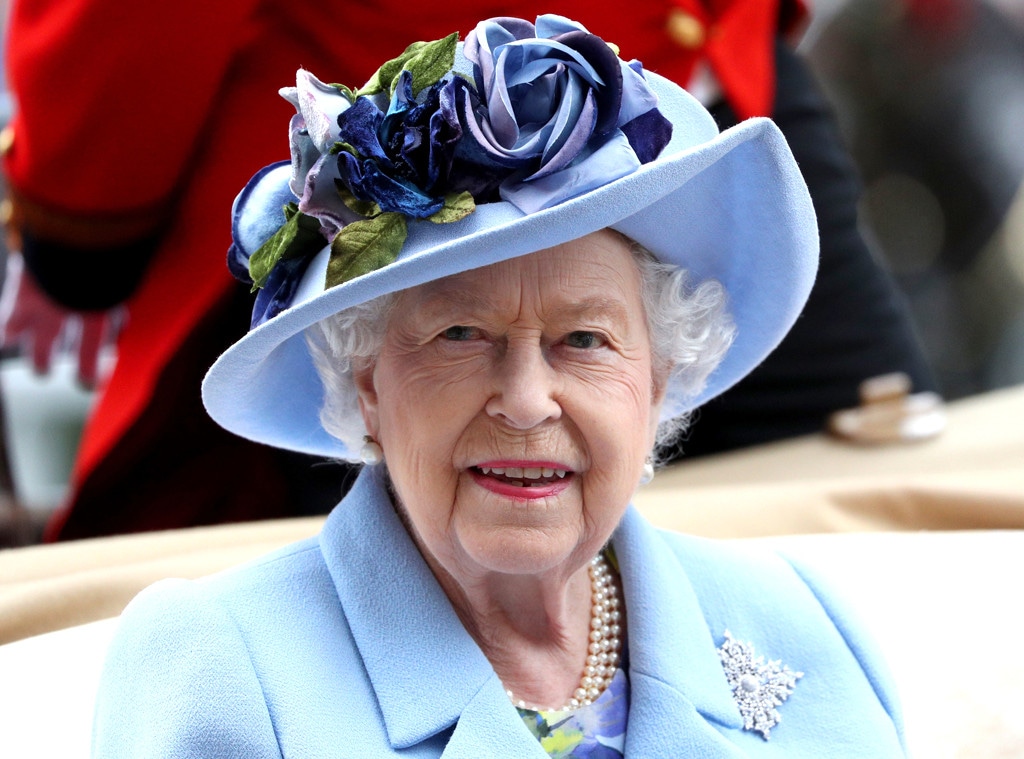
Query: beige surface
[[972, 477], [942, 606], [45, 588]]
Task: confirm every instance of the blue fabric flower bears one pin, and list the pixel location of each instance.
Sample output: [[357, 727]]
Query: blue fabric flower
[[255, 221], [402, 158], [559, 106], [279, 290], [252, 219]]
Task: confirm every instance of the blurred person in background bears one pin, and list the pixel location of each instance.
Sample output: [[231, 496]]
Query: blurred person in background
[[17, 527], [121, 185]]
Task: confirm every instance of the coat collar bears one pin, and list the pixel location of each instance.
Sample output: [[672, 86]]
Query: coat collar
[[427, 672], [429, 675], [678, 690]]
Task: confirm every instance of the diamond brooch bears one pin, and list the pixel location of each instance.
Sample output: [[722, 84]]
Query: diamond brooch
[[757, 686]]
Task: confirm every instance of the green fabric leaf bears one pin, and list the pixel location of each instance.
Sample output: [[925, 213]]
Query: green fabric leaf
[[362, 207], [431, 63], [365, 246], [342, 147], [456, 207], [428, 62], [298, 236], [382, 77]]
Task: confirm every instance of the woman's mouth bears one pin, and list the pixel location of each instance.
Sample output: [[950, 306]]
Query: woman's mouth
[[524, 477], [522, 481]]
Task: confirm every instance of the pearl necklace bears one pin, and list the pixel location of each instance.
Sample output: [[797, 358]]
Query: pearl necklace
[[605, 640]]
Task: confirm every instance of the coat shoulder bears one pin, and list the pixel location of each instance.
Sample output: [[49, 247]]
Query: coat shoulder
[[186, 672]]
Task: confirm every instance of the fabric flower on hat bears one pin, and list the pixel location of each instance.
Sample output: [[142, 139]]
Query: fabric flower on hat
[[548, 112], [401, 159], [560, 107], [253, 230], [312, 134]]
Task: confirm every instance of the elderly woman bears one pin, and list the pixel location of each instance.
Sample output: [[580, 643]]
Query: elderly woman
[[539, 257]]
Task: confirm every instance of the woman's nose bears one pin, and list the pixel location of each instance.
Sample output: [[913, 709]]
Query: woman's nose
[[524, 388]]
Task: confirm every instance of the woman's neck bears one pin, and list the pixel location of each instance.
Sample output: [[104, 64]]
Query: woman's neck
[[534, 629]]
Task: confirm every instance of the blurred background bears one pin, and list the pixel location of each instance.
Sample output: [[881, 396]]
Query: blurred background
[[930, 98]]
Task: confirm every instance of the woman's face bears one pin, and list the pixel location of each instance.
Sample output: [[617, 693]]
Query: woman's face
[[515, 405]]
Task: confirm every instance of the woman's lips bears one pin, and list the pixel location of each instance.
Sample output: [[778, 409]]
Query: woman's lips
[[524, 481]]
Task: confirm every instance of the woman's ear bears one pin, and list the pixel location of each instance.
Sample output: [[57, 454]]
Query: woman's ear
[[362, 375]]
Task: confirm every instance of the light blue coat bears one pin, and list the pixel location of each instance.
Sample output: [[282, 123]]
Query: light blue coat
[[345, 646]]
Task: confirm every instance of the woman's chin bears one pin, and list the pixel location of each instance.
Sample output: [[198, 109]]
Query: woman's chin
[[523, 550], [515, 529]]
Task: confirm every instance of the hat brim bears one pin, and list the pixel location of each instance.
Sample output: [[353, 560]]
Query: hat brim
[[733, 208]]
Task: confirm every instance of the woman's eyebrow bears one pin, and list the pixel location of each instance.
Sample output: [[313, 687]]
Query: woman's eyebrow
[[597, 306], [591, 307]]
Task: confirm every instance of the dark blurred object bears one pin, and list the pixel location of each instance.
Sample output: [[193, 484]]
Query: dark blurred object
[[18, 526], [856, 323], [931, 99]]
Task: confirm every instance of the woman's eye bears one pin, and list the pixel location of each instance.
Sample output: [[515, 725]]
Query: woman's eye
[[583, 340], [459, 333]]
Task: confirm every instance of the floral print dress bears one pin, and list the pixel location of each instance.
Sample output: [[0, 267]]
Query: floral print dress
[[597, 731]]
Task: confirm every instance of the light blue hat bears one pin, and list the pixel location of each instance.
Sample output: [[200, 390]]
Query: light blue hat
[[731, 207]]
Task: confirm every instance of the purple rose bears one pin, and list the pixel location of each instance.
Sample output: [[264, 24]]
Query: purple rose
[[559, 107]]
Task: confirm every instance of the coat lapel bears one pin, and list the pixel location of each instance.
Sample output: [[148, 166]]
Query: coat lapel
[[429, 676], [423, 666], [679, 696], [663, 722], [490, 721]]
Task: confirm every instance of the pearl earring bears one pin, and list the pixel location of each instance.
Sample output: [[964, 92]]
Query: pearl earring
[[371, 453], [647, 474]]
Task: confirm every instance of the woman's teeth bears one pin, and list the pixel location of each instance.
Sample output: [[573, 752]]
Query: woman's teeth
[[524, 473]]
